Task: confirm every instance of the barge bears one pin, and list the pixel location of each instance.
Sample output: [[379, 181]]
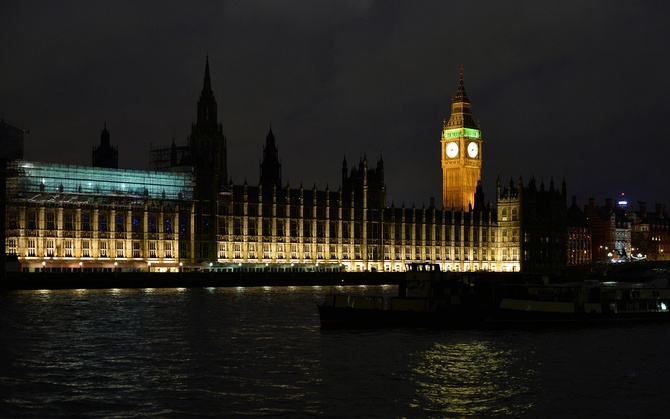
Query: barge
[[430, 298]]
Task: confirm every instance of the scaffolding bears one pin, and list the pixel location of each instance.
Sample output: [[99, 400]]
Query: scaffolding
[[169, 158], [48, 178]]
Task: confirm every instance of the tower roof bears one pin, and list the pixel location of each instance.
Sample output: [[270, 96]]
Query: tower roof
[[207, 119], [461, 95], [270, 141], [104, 136], [461, 112], [207, 84]]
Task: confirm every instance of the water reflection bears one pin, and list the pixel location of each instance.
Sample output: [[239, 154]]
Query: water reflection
[[474, 377]]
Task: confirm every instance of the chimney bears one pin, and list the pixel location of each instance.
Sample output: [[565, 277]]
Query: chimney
[[608, 204], [643, 208]]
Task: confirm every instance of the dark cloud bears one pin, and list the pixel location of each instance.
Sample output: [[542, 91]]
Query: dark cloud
[[571, 90]]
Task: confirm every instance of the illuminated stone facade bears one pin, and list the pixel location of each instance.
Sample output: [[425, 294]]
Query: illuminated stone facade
[[461, 154], [290, 227]]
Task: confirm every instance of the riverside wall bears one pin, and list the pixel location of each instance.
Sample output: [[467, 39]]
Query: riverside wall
[[97, 280]]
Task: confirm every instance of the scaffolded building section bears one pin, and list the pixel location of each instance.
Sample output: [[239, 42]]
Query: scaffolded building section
[[66, 218], [35, 177]]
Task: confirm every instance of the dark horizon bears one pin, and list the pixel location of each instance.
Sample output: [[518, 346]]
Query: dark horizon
[[572, 91]]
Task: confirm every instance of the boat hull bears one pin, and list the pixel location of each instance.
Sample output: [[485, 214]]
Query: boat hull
[[348, 317], [459, 317]]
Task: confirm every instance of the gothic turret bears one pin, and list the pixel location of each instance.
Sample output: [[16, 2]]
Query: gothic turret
[[208, 144], [461, 111], [270, 166], [207, 115], [365, 183], [105, 155], [209, 161]]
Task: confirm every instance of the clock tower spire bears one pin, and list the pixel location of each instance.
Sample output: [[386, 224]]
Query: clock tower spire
[[461, 146]]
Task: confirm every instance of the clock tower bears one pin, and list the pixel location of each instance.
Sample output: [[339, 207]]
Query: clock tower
[[461, 154]]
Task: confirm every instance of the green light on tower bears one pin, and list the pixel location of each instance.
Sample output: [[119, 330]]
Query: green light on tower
[[462, 132]]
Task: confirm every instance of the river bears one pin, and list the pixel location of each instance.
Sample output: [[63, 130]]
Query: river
[[259, 351]]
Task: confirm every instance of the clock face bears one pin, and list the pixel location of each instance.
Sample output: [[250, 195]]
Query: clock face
[[473, 150], [452, 150]]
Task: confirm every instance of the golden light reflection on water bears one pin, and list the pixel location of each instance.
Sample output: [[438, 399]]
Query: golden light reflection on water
[[473, 378]]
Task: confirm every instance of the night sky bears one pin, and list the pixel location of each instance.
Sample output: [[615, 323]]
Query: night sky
[[574, 90]]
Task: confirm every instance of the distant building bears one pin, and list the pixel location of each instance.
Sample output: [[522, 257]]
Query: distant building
[[11, 140], [579, 246], [625, 234], [650, 235], [622, 235], [603, 224], [11, 148]]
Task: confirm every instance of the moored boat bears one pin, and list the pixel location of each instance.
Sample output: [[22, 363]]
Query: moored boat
[[426, 297], [431, 298]]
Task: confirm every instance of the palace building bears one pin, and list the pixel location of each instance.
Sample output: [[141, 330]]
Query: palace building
[[185, 214]]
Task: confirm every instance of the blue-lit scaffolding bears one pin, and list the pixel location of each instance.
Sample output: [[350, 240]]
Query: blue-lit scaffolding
[[49, 178]]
